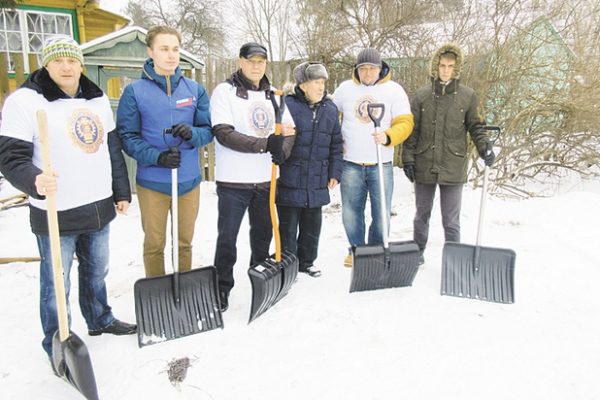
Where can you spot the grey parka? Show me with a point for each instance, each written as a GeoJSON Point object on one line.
{"type": "Point", "coordinates": [438, 145]}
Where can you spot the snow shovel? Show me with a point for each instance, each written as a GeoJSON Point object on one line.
{"type": "Point", "coordinates": [70, 357]}
{"type": "Point", "coordinates": [179, 304]}
{"type": "Point", "coordinates": [393, 264]}
{"type": "Point", "coordinates": [273, 278]}
{"type": "Point", "coordinates": [478, 272]}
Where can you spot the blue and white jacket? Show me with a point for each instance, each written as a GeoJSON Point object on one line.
{"type": "Point", "coordinates": [152, 104]}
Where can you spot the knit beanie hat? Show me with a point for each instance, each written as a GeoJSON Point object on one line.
{"type": "Point", "coordinates": [310, 71]}
{"type": "Point", "coordinates": [61, 46]}
{"type": "Point", "coordinates": [368, 56]}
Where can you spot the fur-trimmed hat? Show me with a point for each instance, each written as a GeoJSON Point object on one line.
{"type": "Point", "coordinates": [368, 56]}
{"type": "Point", "coordinates": [61, 46]}
{"type": "Point", "coordinates": [445, 49]}
{"type": "Point", "coordinates": [310, 71]}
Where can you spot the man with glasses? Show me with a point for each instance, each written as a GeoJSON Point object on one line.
{"type": "Point", "coordinates": [371, 83]}
{"type": "Point", "coordinates": [243, 122]}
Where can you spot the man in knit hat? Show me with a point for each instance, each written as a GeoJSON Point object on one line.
{"type": "Point", "coordinates": [89, 178]}
{"type": "Point", "coordinates": [436, 152]}
{"type": "Point", "coordinates": [371, 83]}
{"type": "Point", "coordinates": [313, 168]}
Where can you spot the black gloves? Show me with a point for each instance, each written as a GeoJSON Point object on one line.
{"type": "Point", "coordinates": [487, 154]}
{"type": "Point", "coordinates": [409, 171]}
{"type": "Point", "coordinates": [182, 130]}
{"type": "Point", "coordinates": [275, 147]}
{"type": "Point", "coordinates": [170, 158]}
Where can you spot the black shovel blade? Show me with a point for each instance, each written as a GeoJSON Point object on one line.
{"type": "Point", "coordinates": [71, 361]}
{"type": "Point", "coordinates": [271, 281]}
{"type": "Point", "coordinates": [160, 317]}
{"type": "Point", "coordinates": [289, 268]}
{"type": "Point", "coordinates": [373, 269]}
{"type": "Point", "coordinates": [493, 280]}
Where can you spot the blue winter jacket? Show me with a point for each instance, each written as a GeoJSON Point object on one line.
{"type": "Point", "coordinates": [152, 104]}
{"type": "Point", "coordinates": [316, 156]}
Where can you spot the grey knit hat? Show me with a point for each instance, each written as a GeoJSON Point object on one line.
{"type": "Point", "coordinates": [310, 71]}
{"type": "Point", "coordinates": [369, 56]}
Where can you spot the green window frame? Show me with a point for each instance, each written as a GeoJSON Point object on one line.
{"type": "Point", "coordinates": [24, 32]}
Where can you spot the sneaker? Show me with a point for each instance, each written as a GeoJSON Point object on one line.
{"type": "Point", "coordinates": [421, 258]}
{"type": "Point", "coordinates": [224, 300]}
{"type": "Point", "coordinates": [310, 271]}
{"type": "Point", "coordinates": [115, 328]}
{"type": "Point", "coordinates": [348, 261]}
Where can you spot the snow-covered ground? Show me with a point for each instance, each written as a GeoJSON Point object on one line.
{"type": "Point", "coordinates": [320, 342]}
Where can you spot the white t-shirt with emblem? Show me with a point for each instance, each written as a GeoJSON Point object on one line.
{"type": "Point", "coordinates": [254, 116]}
{"type": "Point", "coordinates": [357, 128]}
{"type": "Point", "coordinates": [77, 136]}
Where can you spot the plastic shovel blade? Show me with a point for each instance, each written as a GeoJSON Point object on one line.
{"type": "Point", "coordinates": [71, 361]}
{"type": "Point", "coordinates": [271, 281]}
{"type": "Point", "coordinates": [373, 269]}
{"type": "Point", "coordinates": [161, 317]}
{"type": "Point", "coordinates": [492, 280]}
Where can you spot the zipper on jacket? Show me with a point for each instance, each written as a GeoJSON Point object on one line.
{"type": "Point", "coordinates": [97, 215]}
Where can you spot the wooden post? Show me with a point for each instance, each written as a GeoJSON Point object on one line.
{"type": "Point", "coordinates": [19, 69]}
{"type": "Point", "coordinates": [33, 62]}
{"type": "Point", "coordinates": [3, 77]}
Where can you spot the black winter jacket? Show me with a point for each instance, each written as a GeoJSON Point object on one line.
{"type": "Point", "coordinates": [316, 156]}
{"type": "Point", "coordinates": [438, 146]}
{"type": "Point", "coordinates": [17, 167]}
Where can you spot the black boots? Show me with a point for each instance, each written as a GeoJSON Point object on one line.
{"type": "Point", "coordinates": [224, 300]}
{"type": "Point", "coordinates": [116, 328]}
{"type": "Point", "coordinates": [310, 271]}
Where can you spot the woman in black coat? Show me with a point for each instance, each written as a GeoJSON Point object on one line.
{"type": "Point", "coordinates": [313, 167]}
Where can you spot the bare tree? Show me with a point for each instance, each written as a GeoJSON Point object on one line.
{"type": "Point", "coordinates": [199, 21]}
{"type": "Point", "coordinates": [267, 21]}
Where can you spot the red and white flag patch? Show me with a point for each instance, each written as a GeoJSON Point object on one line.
{"type": "Point", "coordinates": [184, 102]}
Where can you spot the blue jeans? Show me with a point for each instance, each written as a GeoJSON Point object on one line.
{"type": "Point", "coordinates": [358, 182]}
{"type": "Point", "coordinates": [232, 206]}
{"type": "Point", "coordinates": [92, 253]}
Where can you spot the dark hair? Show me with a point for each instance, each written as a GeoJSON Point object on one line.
{"type": "Point", "coordinates": [158, 30]}
{"type": "Point", "coordinates": [449, 55]}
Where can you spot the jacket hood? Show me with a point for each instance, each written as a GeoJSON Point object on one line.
{"type": "Point", "coordinates": [435, 60]}
{"type": "Point", "coordinates": [384, 75]}
{"type": "Point", "coordinates": [161, 80]}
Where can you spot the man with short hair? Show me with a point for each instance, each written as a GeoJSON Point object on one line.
{"type": "Point", "coordinates": [163, 120]}
{"type": "Point", "coordinates": [89, 179]}
{"type": "Point", "coordinates": [436, 154]}
{"type": "Point", "coordinates": [371, 83]}
{"type": "Point", "coordinates": [243, 121]}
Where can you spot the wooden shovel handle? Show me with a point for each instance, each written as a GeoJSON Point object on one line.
{"type": "Point", "coordinates": [273, 188]}
{"type": "Point", "coordinates": [54, 233]}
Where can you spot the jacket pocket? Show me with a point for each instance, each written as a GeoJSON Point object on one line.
{"type": "Point", "coordinates": [290, 174]}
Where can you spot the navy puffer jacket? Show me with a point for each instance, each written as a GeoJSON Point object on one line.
{"type": "Point", "coordinates": [316, 156]}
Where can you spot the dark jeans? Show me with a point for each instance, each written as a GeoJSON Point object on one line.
{"type": "Point", "coordinates": [92, 254]}
{"type": "Point", "coordinates": [450, 203]}
{"type": "Point", "coordinates": [232, 206]}
{"type": "Point", "coordinates": [300, 229]}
